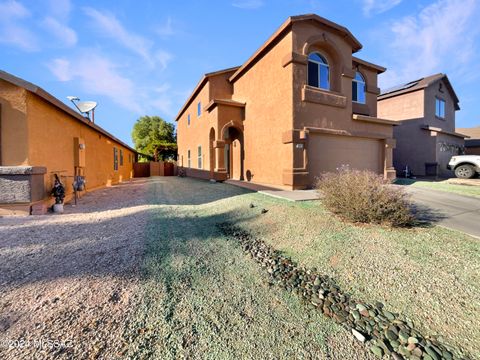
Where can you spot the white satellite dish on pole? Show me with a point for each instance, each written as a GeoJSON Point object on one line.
{"type": "Point", "coordinates": [85, 107]}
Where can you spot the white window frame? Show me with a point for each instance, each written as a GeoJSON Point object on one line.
{"type": "Point", "coordinates": [319, 64]}
{"type": "Point", "coordinates": [439, 112]}
{"type": "Point", "coordinates": [199, 157]}
{"type": "Point", "coordinates": [357, 82]}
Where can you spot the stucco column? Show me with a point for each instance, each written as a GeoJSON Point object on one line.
{"type": "Point", "coordinates": [389, 170]}
{"type": "Point", "coordinates": [219, 147]}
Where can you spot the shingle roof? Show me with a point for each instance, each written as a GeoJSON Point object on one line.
{"type": "Point", "coordinates": [473, 132]}
{"type": "Point", "coordinates": [200, 85]}
{"type": "Point", "coordinates": [419, 84]}
{"type": "Point", "coordinates": [12, 79]}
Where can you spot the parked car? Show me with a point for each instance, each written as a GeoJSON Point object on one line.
{"type": "Point", "coordinates": [465, 166]}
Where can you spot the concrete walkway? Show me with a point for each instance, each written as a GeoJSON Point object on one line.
{"type": "Point", "coordinates": [278, 192]}
{"type": "Point", "coordinates": [452, 210]}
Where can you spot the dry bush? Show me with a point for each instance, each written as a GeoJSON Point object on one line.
{"type": "Point", "coordinates": [363, 196]}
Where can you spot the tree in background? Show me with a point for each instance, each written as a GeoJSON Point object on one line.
{"type": "Point", "coordinates": [155, 137]}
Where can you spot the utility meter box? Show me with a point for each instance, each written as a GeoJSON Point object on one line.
{"type": "Point", "coordinates": [79, 151]}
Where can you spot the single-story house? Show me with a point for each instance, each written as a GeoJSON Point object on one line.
{"type": "Point", "coordinates": [472, 144]}
{"type": "Point", "coordinates": [40, 136]}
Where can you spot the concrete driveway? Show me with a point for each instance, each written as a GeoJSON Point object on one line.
{"type": "Point", "coordinates": [454, 211]}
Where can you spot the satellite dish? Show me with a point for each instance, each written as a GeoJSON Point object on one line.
{"type": "Point", "coordinates": [86, 106]}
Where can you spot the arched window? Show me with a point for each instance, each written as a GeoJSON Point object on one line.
{"type": "Point", "coordinates": [358, 88]}
{"type": "Point", "coordinates": [318, 71]}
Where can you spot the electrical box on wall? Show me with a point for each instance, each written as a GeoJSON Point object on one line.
{"type": "Point", "coordinates": [79, 152]}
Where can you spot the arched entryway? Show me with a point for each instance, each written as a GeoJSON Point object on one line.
{"type": "Point", "coordinates": [234, 152]}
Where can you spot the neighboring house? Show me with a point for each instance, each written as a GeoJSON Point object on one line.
{"type": "Point", "coordinates": [289, 113]}
{"type": "Point", "coordinates": [41, 136]}
{"type": "Point", "coordinates": [427, 139]}
{"type": "Point", "coordinates": [472, 145]}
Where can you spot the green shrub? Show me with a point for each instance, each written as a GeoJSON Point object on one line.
{"type": "Point", "coordinates": [363, 196]}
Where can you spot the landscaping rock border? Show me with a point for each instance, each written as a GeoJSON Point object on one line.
{"type": "Point", "coordinates": [384, 332]}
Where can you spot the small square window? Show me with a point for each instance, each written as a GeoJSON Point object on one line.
{"type": "Point", "coordinates": [199, 108]}
{"type": "Point", "coordinates": [440, 108]}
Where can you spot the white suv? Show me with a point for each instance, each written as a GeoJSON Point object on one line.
{"type": "Point", "coordinates": [465, 166]}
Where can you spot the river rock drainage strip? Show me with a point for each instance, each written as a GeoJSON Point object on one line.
{"type": "Point", "coordinates": [383, 332]}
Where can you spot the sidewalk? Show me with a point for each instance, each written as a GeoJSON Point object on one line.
{"type": "Point", "coordinates": [278, 192]}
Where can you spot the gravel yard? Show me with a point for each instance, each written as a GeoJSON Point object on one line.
{"type": "Point", "coordinates": [140, 270]}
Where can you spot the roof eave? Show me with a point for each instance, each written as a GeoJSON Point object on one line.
{"type": "Point", "coordinates": [284, 28]}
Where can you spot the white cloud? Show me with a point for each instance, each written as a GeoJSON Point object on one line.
{"type": "Point", "coordinates": [60, 8]}
{"type": "Point", "coordinates": [248, 4]}
{"type": "Point", "coordinates": [66, 35]}
{"type": "Point", "coordinates": [12, 8]}
{"type": "Point", "coordinates": [12, 31]}
{"type": "Point", "coordinates": [97, 75]}
{"type": "Point", "coordinates": [109, 26]}
{"type": "Point", "coordinates": [439, 39]}
{"type": "Point", "coordinates": [163, 58]}
{"type": "Point", "coordinates": [166, 30]}
{"type": "Point", "coordinates": [378, 6]}
{"type": "Point", "coordinates": [61, 69]}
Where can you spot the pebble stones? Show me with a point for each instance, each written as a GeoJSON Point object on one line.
{"type": "Point", "coordinates": [360, 337]}
{"type": "Point", "coordinates": [384, 332]}
{"type": "Point", "coordinates": [378, 351]}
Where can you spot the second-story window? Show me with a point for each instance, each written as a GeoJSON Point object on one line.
{"type": "Point", "coordinates": [199, 108]}
{"type": "Point", "coordinates": [188, 119]}
{"type": "Point", "coordinates": [440, 108]}
{"type": "Point", "coordinates": [318, 71]}
{"type": "Point", "coordinates": [189, 159]}
{"type": "Point", "coordinates": [358, 88]}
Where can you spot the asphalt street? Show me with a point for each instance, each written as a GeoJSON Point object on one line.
{"type": "Point", "coordinates": [451, 210]}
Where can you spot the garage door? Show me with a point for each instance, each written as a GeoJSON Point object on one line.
{"type": "Point", "coordinates": [328, 152]}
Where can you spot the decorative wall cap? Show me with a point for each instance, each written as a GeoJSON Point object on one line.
{"type": "Point", "coordinates": [22, 170]}
{"type": "Point", "coordinates": [375, 120]}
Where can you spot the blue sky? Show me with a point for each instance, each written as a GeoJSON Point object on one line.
{"type": "Point", "coordinates": [145, 57]}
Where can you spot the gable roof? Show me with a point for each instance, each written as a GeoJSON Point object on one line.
{"type": "Point", "coordinates": [419, 84]}
{"type": "Point", "coordinates": [200, 85]}
{"type": "Point", "coordinates": [379, 69]}
{"type": "Point", "coordinates": [473, 132]}
{"type": "Point", "coordinates": [58, 104]}
{"type": "Point", "coordinates": [284, 28]}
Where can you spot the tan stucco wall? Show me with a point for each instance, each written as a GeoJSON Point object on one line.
{"type": "Point", "coordinates": [415, 147]}
{"type": "Point", "coordinates": [335, 112]}
{"type": "Point", "coordinates": [278, 110]}
{"type": "Point", "coordinates": [197, 134]}
{"type": "Point", "coordinates": [51, 134]}
{"type": "Point", "coordinates": [405, 106]}
{"type": "Point", "coordinates": [266, 88]}
{"type": "Point", "coordinates": [14, 126]}
{"type": "Point", "coordinates": [431, 92]}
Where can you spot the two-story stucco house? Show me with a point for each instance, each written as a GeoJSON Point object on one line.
{"type": "Point", "coordinates": [301, 105]}
{"type": "Point", "coordinates": [427, 139]}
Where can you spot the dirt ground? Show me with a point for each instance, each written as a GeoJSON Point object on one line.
{"type": "Point", "coordinates": [69, 282]}
{"type": "Point", "coordinates": [140, 271]}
